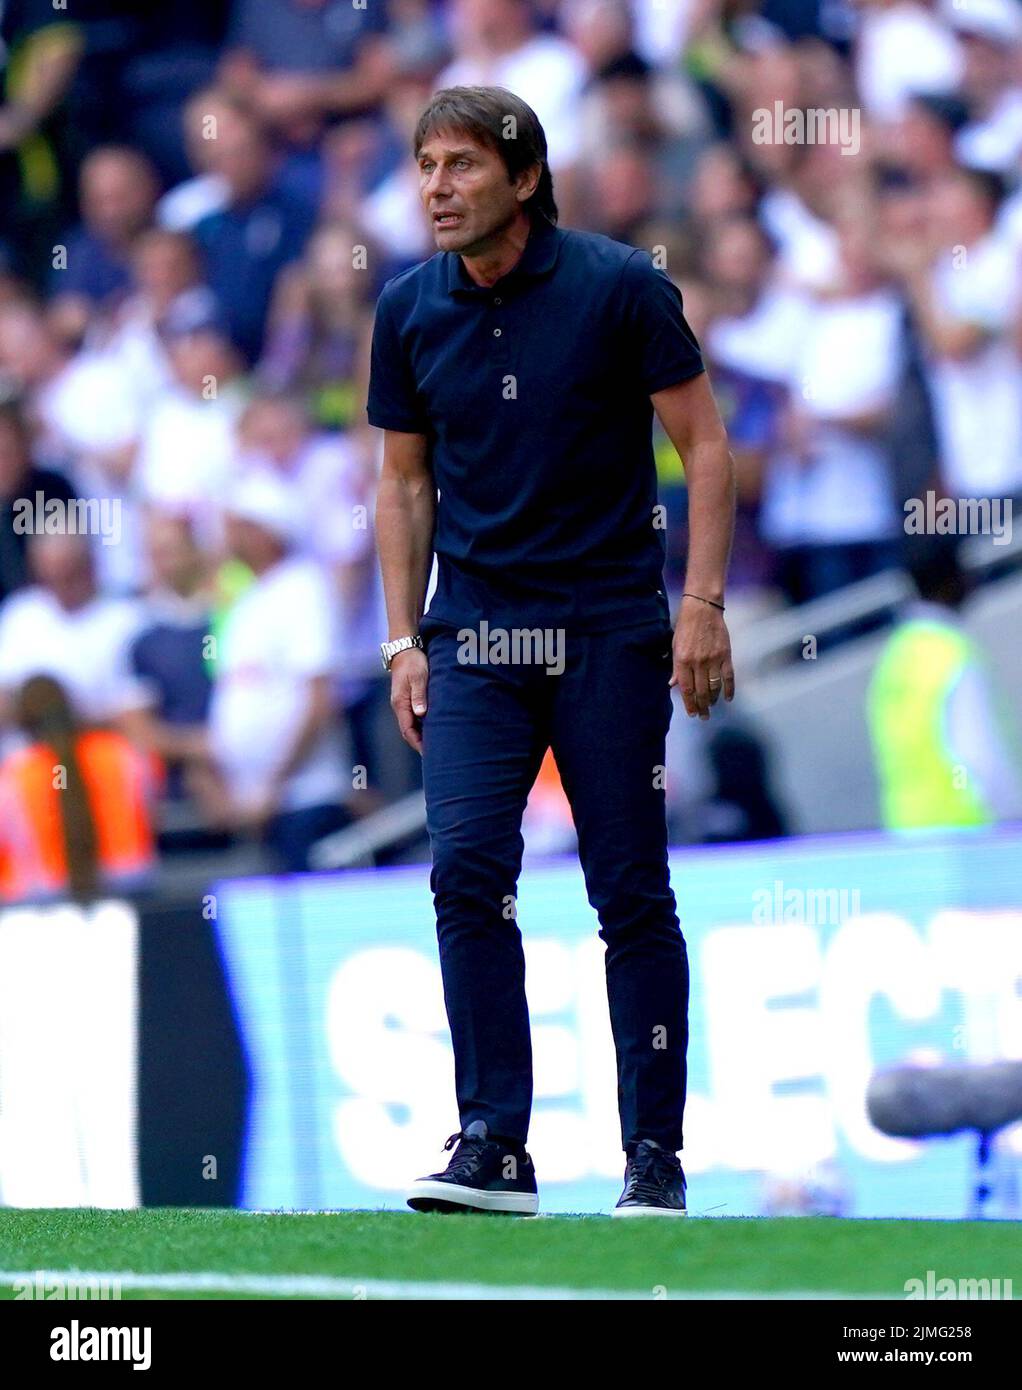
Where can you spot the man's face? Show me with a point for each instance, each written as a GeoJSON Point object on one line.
{"type": "Point", "coordinates": [173, 556]}
{"type": "Point", "coordinates": [466, 192]}
{"type": "Point", "coordinates": [117, 196]}
{"type": "Point", "coordinates": [62, 564]}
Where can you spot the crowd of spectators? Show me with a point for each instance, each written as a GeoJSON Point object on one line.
{"type": "Point", "coordinates": [199, 204]}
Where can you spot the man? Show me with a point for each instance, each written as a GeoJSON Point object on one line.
{"type": "Point", "coordinates": [117, 190]}
{"type": "Point", "coordinates": [262, 226]}
{"type": "Point", "coordinates": [168, 658]}
{"type": "Point", "coordinates": [63, 626]}
{"type": "Point", "coordinates": [964, 289]}
{"type": "Point", "coordinates": [514, 372]}
{"type": "Point", "coordinates": [272, 724]}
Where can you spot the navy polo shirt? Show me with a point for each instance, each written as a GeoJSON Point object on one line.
{"type": "Point", "coordinates": [534, 394]}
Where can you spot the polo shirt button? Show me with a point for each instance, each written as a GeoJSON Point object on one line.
{"type": "Point", "coordinates": [498, 301]}
{"type": "Point", "coordinates": [496, 332]}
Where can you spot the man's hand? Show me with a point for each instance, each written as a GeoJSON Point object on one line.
{"type": "Point", "coordinates": [702, 657]}
{"type": "Point", "coordinates": [409, 677]}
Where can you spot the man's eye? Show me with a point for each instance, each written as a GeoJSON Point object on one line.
{"type": "Point", "coordinates": [461, 164]}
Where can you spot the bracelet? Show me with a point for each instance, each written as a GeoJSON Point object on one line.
{"type": "Point", "coordinates": [704, 600]}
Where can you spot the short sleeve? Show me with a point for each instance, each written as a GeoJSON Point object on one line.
{"type": "Point", "coordinates": [393, 400]}
{"type": "Point", "coordinates": [657, 337]}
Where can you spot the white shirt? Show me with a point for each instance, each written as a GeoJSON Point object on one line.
{"type": "Point", "coordinates": [901, 51]}
{"type": "Point", "coordinates": [86, 649]}
{"type": "Point", "coordinates": [767, 341]}
{"type": "Point", "coordinates": [808, 253]}
{"type": "Point", "coordinates": [327, 479]}
{"type": "Point", "coordinates": [848, 365]}
{"type": "Point", "coordinates": [661, 30]}
{"type": "Point", "coordinates": [188, 203]}
{"type": "Point", "coordinates": [547, 73]}
{"type": "Point", "coordinates": [186, 457]}
{"type": "Point", "coordinates": [977, 400]}
{"type": "Point", "coordinates": [995, 141]}
{"type": "Point", "coordinates": [92, 407]}
{"type": "Point", "coordinates": [276, 638]}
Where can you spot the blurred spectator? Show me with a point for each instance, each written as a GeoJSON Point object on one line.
{"type": "Point", "coordinates": [20, 483]}
{"type": "Point", "coordinates": [722, 185]}
{"type": "Point", "coordinates": [117, 190]}
{"type": "Point", "coordinates": [40, 52]}
{"type": "Point", "coordinates": [166, 292]}
{"type": "Point", "coordinates": [260, 228]}
{"type": "Point", "coordinates": [626, 98]}
{"type": "Point", "coordinates": [297, 64]}
{"type": "Point", "coordinates": [320, 315]}
{"type": "Point", "coordinates": [75, 805]}
{"type": "Point", "coordinates": [924, 141]}
{"type": "Point", "coordinates": [759, 325]}
{"type": "Point", "coordinates": [828, 500]}
{"type": "Point", "coordinates": [622, 191]}
{"type": "Point", "coordinates": [497, 45]}
{"type": "Point", "coordinates": [903, 49]}
{"type": "Point", "coordinates": [205, 114]}
{"type": "Point", "coordinates": [64, 627]}
{"type": "Point", "coordinates": [326, 477]}
{"type": "Point", "coordinates": [75, 406]}
{"type": "Point", "coordinates": [331, 479]}
{"type": "Point", "coordinates": [273, 731]}
{"type": "Point", "coordinates": [942, 758]}
{"type": "Point", "coordinates": [963, 286]}
{"type": "Point", "coordinates": [170, 659]}
{"type": "Point", "coordinates": [186, 449]}
{"type": "Point", "coordinates": [990, 32]}
{"type": "Point", "coordinates": [390, 209]}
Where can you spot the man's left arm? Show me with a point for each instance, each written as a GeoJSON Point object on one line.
{"type": "Point", "coordinates": [702, 647]}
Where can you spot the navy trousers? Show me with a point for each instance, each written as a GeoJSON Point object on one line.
{"type": "Point", "coordinates": [485, 734]}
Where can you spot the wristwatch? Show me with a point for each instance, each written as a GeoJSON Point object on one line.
{"type": "Point", "coordinates": [389, 650]}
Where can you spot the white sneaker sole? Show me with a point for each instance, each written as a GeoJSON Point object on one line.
{"type": "Point", "coordinates": [473, 1198]}
{"type": "Point", "coordinates": [648, 1211]}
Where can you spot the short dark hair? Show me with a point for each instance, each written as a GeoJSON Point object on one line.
{"type": "Point", "coordinates": [483, 113]}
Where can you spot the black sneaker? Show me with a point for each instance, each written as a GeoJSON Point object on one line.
{"type": "Point", "coordinates": [654, 1183]}
{"type": "Point", "coordinates": [481, 1176]}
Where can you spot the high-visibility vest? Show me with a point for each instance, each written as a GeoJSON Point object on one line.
{"type": "Point", "coordinates": [907, 705]}
{"type": "Point", "coordinates": [118, 782]}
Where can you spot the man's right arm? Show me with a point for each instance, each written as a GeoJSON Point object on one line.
{"type": "Point", "coordinates": [405, 516]}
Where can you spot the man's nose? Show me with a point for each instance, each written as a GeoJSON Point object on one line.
{"type": "Point", "coordinates": [438, 182]}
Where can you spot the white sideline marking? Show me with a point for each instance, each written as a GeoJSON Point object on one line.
{"type": "Point", "coordinates": [327, 1286]}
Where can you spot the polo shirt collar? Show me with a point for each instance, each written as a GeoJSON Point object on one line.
{"type": "Point", "coordinates": [538, 258]}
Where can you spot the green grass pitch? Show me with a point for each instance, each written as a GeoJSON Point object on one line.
{"type": "Point", "coordinates": [232, 1254]}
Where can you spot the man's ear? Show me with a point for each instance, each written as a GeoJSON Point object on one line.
{"type": "Point", "coordinates": [528, 182]}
